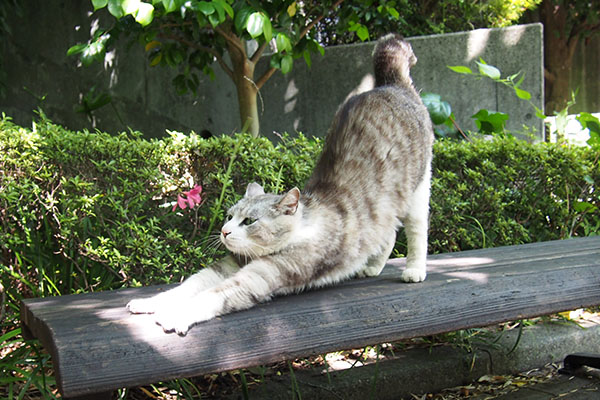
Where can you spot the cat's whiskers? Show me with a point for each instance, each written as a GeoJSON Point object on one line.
{"type": "Point", "coordinates": [211, 244]}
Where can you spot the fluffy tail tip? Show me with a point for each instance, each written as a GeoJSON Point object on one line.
{"type": "Point", "coordinates": [393, 57]}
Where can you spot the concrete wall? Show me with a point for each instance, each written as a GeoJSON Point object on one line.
{"type": "Point", "coordinates": [40, 75]}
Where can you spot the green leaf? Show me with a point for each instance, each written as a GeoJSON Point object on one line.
{"type": "Point", "coordinates": [488, 70]}
{"type": "Point", "coordinates": [307, 59]}
{"type": "Point", "coordinates": [267, 28]}
{"type": "Point", "coordinates": [155, 60]}
{"type": "Point", "coordinates": [255, 24]}
{"type": "Point", "coordinates": [204, 7]}
{"type": "Point", "coordinates": [283, 43]}
{"type": "Point", "coordinates": [98, 4]}
{"type": "Point", "coordinates": [214, 19]}
{"type": "Point", "coordinates": [584, 206]}
{"type": "Point", "coordinates": [169, 5]}
{"type": "Point", "coordinates": [490, 122]}
{"type": "Point", "coordinates": [241, 19]}
{"type": "Point", "coordinates": [130, 7]}
{"type": "Point", "coordinates": [439, 110]}
{"type": "Point", "coordinates": [522, 94]}
{"type": "Point", "coordinates": [78, 48]}
{"type": "Point", "coordinates": [393, 12]}
{"type": "Point", "coordinates": [145, 14]}
{"type": "Point", "coordinates": [539, 113]}
{"type": "Point", "coordinates": [115, 9]}
{"type": "Point", "coordinates": [588, 121]}
{"type": "Point", "coordinates": [220, 11]}
{"type": "Point", "coordinates": [461, 69]}
{"type": "Point", "coordinates": [287, 62]}
{"type": "Point", "coordinates": [275, 61]}
{"type": "Point", "coordinates": [362, 32]}
{"type": "Point", "coordinates": [226, 7]}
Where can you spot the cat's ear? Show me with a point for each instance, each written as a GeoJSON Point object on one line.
{"type": "Point", "coordinates": [289, 202]}
{"type": "Point", "coordinates": [254, 189]}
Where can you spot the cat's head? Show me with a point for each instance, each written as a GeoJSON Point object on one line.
{"type": "Point", "coordinates": [261, 223]}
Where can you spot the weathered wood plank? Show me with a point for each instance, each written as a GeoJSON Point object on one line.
{"type": "Point", "coordinates": [97, 345]}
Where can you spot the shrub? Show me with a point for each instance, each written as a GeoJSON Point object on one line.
{"type": "Point", "coordinates": [506, 191]}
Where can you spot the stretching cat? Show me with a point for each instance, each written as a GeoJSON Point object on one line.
{"type": "Point", "coordinates": [372, 177]}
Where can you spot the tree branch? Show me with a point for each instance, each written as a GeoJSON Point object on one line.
{"type": "Point", "coordinates": [265, 77]}
{"type": "Point", "coordinates": [318, 19]}
{"type": "Point", "coordinates": [259, 52]}
{"type": "Point", "coordinates": [231, 39]}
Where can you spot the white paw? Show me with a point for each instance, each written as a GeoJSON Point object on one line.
{"type": "Point", "coordinates": [369, 271]}
{"type": "Point", "coordinates": [174, 321]}
{"type": "Point", "coordinates": [180, 316]}
{"type": "Point", "coordinates": [413, 275]}
{"type": "Point", "coordinates": [141, 306]}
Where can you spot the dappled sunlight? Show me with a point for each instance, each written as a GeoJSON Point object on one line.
{"type": "Point", "coordinates": [459, 268]}
{"type": "Point", "coordinates": [460, 261]}
{"type": "Point", "coordinates": [472, 276]}
{"type": "Point", "coordinates": [366, 83]}
{"type": "Point", "coordinates": [451, 267]}
{"type": "Point", "coordinates": [512, 37]}
{"type": "Point", "coordinates": [476, 44]}
{"type": "Point", "coordinates": [290, 97]}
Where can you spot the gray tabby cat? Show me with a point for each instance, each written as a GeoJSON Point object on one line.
{"type": "Point", "coordinates": [373, 176]}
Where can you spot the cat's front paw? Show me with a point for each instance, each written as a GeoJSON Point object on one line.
{"type": "Point", "coordinates": [413, 275]}
{"type": "Point", "coordinates": [174, 321]}
{"type": "Point", "coordinates": [179, 317]}
{"type": "Point", "coordinates": [141, 306]}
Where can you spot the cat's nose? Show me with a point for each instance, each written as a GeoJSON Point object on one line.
{"type": "Point", "coordinates": [225, 232]}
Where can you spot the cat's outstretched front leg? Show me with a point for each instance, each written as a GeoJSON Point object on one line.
{"type": "Point", "coordinates": [195, 284]}
{"type": "Point", "coordinates": [253, 284]}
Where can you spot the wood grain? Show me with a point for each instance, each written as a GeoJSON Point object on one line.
{"type": "Point", "coordinates": [97, 346]}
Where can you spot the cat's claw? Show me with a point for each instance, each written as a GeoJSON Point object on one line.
{"type": "Point", "coordinates": [413, 275]}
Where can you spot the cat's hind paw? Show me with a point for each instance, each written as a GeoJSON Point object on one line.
{"type": "Point", "coordinates": [413, 275]}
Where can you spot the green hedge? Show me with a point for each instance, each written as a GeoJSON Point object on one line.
{"type": "Point", "coordinates": [82, 211]}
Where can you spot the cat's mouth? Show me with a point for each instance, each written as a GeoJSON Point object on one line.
{"type": "Point", "coordinates": [232, 244]}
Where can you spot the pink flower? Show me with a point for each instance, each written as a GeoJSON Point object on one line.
{"type": "Point", "coordinates": [191, 199]}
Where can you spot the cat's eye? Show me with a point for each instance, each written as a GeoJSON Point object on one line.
{"type": "Point", "coordinates": [248, 221]}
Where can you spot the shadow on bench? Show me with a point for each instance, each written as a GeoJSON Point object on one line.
{"type": "Point", "coordinates": [97, 346]}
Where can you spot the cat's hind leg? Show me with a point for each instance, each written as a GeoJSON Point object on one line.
{"type": "Point", "coordinates": [200, 281]}
{"type": "Point", "coordinates": [416, 225]}
{"type": "Point", "coordinates": [376, 262]}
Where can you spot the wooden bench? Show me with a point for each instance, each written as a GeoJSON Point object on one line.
{"type": "Point", "coordinates": [97, 346]}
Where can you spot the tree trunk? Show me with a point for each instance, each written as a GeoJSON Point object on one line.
{"type": "Point", "coordinates": [559, 50]}
{"type": "Point", "coordinates": [247, 91]}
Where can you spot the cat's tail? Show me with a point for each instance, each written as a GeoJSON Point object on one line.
{"type": "Point", "coordinates": [393, 57]}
